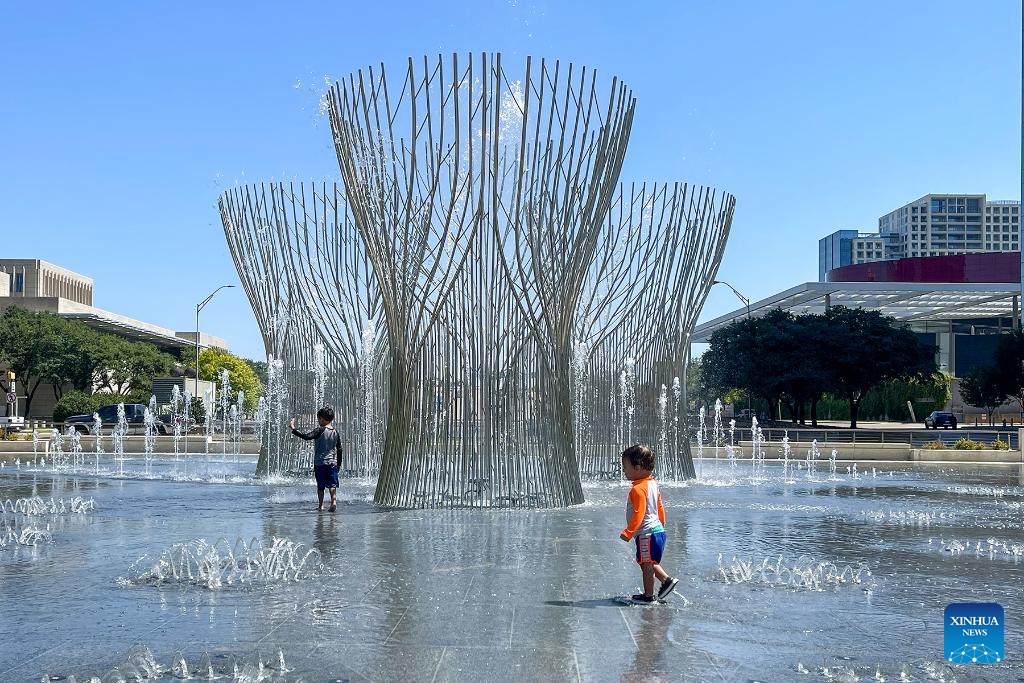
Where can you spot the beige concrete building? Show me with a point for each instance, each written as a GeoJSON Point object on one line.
{"type": "Point", "coordinates": [44, 287]}
{"type": "Point", "coordinates": [942, 224]}
{"type": "Point", "coordinates": [34, 279]}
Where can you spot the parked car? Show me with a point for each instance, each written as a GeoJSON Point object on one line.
{"type": "Point", "coordinates": [938, 418]}
{"type": "Point", "coordinates": [134, 413]}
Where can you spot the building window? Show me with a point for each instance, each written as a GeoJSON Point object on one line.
{"type": "Point", "coordinates": [19, 283]}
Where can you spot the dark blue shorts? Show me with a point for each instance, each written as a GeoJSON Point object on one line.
{"type": "Point", "coordinates": [649, 548]}
{"type": "Point", "coordinates": [326, 476]}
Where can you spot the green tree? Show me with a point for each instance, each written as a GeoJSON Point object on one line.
{"type": "Point", "coordinates": [774, 357]}
{"type": "Point", "coordinates": [888, 400]}
{"type": "Point", "coordinates": [80, 356]}
{"type": "Point", "coordinates": [240, 373]}
{"type": "Point", "coordinates": [74, 403]}
{"type": "Point", "coordinates": [984, 388]}
{"type": "Point", "coordinates": [728, 366]}
{"type": "Point", "coordinates": [804, 373]}
{"type": "Point", "coordinates": [125, 366]}
{"type": "Point", "coordinates": [866, 348]}
{"type": "Point", "coordinates": [31, 345]}
{"type": "Point", "coordinates": [796, 359]}
{"type": "Point", "coordinates": [260, 368]}
{"type": "Point", "coordinates": [1009, 359]}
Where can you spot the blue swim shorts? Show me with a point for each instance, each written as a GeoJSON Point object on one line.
{"type": "Point", "coordinates": [326, 476]}
{"type": "Point", "coordinates": [649, 548]}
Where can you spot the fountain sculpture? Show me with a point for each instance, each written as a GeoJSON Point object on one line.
{"type": "Point", "coordinates": [491, 313]}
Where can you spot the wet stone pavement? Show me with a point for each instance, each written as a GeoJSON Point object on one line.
{"type": "Point", "coordinates": [780, 580]}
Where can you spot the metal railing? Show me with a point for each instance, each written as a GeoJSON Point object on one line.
{"type": "Point", "coordinates": [915, 438]}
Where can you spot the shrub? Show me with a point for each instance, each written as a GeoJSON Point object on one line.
{"type": "Point", "coordinates": [134, 396]}
{"type": "Point", "coordinates": [934, 446]}
{"type": "Point", "coordinates": [75, 403]}
{"type": "Point", "coordinates": [965, 444]}
{"type": "Point", "coordinates": [81, 403]}
{"type": "Point", "coordinates": [1000, 445]}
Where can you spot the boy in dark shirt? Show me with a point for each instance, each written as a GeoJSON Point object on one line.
{"type": "Point", "coordinates": [325, 468]}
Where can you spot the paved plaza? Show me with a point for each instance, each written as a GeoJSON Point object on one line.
{"type": "Point", "coordinates": [809, 580]}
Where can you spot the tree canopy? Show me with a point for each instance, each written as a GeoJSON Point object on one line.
{"type": "Point", "coordinates": [797, 358]}
{"type": "Point", "coordinates": [984, 388]}
{"type": "Point", "coordinates": [43, 347]}
{"type": "Point", "coordinates": [241, 374]}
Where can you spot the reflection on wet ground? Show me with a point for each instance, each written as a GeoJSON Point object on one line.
{"type": "Point", "coordinates": [807, 579]}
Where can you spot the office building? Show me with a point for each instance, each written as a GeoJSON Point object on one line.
{"type": "Point", "coordinates": [933, 225]}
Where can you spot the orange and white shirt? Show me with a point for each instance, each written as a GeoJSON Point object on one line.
{"type": "Point", "coordinates": [645, 515]}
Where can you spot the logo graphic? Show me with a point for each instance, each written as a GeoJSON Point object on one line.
{"type": "Point", "coordinates": [974, 633]}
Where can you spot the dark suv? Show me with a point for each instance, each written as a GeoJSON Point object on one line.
{"type": "Point", "coordinates": [134, 414]}
{"type": "Point", "coordinates": [938, 419]}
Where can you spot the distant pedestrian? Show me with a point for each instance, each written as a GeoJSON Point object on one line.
{"type": "Point", "coordinates": [645, 520]}
{"type": "Point", "coordinates": [326, 454]}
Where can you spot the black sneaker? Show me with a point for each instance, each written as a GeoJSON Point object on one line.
{"type": "Point", "coordinates": [643, 599]}
{"type": "Point", "coordinates": [667, 586]}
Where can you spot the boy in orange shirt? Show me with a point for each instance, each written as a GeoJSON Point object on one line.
{"type": "Point", "coordinates": [645, 519]}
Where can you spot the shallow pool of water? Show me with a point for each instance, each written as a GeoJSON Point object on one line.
{"type": "Point", "coordinates": [781, 579]}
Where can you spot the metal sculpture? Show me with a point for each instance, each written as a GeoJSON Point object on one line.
{"type": "Point", "coordinates": [492, 315]}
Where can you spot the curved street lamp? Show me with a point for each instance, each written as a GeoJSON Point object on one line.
{"type": "Point", "coordinates": [199, 307]}
{"type": "Point", "coordinates": [746, 302]}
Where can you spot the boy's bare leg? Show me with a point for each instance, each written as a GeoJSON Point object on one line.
{"type": "Point", "coordinates": [334, 499]}
{"type": "Point", "coordinates": [660, 573]}
{"type": "Point", "coordinates": [648, 571]}
{"type": "Point", "coordinates": [320, 498]}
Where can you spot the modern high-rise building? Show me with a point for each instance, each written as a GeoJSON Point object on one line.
{"type": "Point", "coordinates": [934, 225]}
{"type": "Point", "coordinates": [846, 247]}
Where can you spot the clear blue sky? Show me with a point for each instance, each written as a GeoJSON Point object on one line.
{"type": "Point", "coordinates": [120, 123]}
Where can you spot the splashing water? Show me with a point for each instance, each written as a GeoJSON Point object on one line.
{"type": "Point", "coordinates": [212, 566]}
{"type": "Point", "coordinates": [627, 401]}
{"type": "Point", "coordinates": [319, 374]}
{"type": "Point", "coordinates": [580, 362]}
{"type": "Point", "coordinates": [187, 425]}
{"type": "Point", "coordinates": [663, 423]}
{"type": "Point", "coordinates": [730, 450]}
{"type": "Point", "coordinates": [787, 451]}
{"type": "Point", "coordinates": [176, 420]}
{"type": "Point", "coordinates": [149, 440]}
{"type": "Point", "coordinates": [97, 440]}
{"type": "Point", "coordinates": [812, 459]}
{"type": "Point", "coordinates": [225, 400]}
{"type": "Point", "coordinates": [677, 394]}
{"type": "Point", "coordinates": [805, 573]}
{"type": "Point", "coordinates": [120, 430]}
{"type": "Point", "coordinates": [57, 445]}
{"type": "Point", "coordinates": [716, 429]}
{"type": "Point", "coordinates": [75, 437]}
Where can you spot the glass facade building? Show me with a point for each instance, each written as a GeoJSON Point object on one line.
{"type": "Point", "coordinates": [933, 225]}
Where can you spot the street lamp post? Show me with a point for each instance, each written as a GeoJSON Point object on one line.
{"type": "Point", "coordinates": [199, 307]}
{"type": "Point", "coordinates": [746, 302]}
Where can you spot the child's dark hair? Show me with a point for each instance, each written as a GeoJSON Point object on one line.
{"type": "Point", "coordinates": [640, 456]}
{"type": "Point", "coordinates": [326, 414]}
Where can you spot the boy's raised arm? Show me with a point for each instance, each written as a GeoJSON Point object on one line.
{"type": "Point", "coordinates": [308, 436]}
